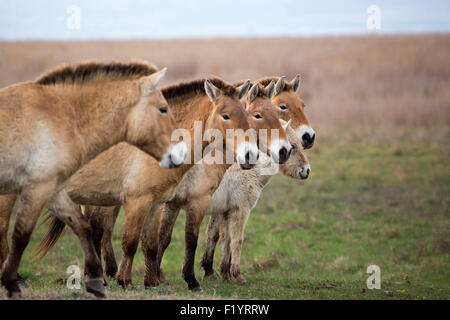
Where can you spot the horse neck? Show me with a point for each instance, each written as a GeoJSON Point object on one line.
{"type": "Point", "coordinates": [187, 110]}
{"type": "Point", "coordinates": [100, 112]}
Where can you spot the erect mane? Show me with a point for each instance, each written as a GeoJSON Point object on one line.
{"type": "Point", "coordinates": [265, 81]}
{"type": "Point", "coordinates": [193, 88]}
{"type": "Point", "coordinates": [262, 87]}
{"type": "Point", "coordinates": [89, 71]}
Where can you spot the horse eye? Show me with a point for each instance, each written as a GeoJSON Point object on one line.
{"type": "Point", "coordinates": [283, 107]}
{"type": "Point", "coordinates": [163, 110]}
{"type": "Point", "coordinates": [257, 116]}
{"type": "Point", "coordinates": [226, 117]}
{"type": "Point", "coordinates": [304, 106]}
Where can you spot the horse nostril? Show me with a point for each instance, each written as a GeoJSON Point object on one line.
{"type": "Point", "coordinates": [308, 171]}
{"type": "Point", "coordinates": [247, 157]}
{"type": "Point", "coordinates": [283, 154]}
{"type": "Point", "coordinates": [307, 138]}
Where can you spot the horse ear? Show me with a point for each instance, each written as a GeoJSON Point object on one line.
{"type": "Point", "coordinates": [295, 83]}
{"type": "Point", "coordinates": [286, 125]}
{"type": "Point", "coordinates": [253, 93]}
{"type": "Point", "coordinates": [211, 90]}
{"type": "Point", "coordinates": [152, 82]}
{"type": "Point", "coordinates": [243, 89]}
{"type": "Point", "coordinates": [270, 89]}
{"type": "Point", "coordinates": [279, 86]}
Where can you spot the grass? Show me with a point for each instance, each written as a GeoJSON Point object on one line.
{"type": "Point", "coordinates": [384, 203]}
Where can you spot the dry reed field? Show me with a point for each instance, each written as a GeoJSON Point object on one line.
{"type": "Point", "coordinates": [375, 80]}
{"type": "Point", "coordinates": [380, 183]}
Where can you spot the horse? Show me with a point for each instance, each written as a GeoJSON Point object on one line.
{"type": "Point", "coordinates": [52, 126]}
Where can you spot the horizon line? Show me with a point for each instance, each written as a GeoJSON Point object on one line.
{"type": "Point", "coordinates": [225, 37]}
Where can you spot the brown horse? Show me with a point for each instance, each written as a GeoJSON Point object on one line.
{"type": "Point", "coordinates": [56, 124]}
{"type": "Point", "coordinates": [291, 107]}
{"type": "Point", "coordinates": [194, 193]}
{"type": "Point", "coordinates": [123, 175]}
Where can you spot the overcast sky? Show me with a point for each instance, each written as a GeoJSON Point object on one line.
{"type": "Point", "coordinates": [168, 19]}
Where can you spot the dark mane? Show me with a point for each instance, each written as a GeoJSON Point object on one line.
{"type": "Point", "coordinates": [261, 91]}
{"type": "Point", "coordinates": [196, 87]}
{"type": "Point", "coordinates": [84, 72]}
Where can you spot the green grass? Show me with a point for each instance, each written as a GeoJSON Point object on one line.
{"type": "Point", "coordinates": [381, 202]}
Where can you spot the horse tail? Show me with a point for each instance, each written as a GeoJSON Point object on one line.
{"type": "Point", "coordinates": [54, 232]}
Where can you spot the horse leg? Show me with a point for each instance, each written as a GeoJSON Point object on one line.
{"type": "Point", "coordinates": [32, 201]}
{"type": "Point", "coordinates": [169, 216]}
{"type": "Point", "coordinates": [150, 244]}
{"type": "Point", "coordinates": [107, 246]}
{"type": "Point", "coordinates": [213, 235]}
{"type": "Point", "coordinates": [67, 211]}
{"type": "Point", "coordinates": [6, 207]}
{"type": "Point", "coordinates": [226, 249]}
{"type": "Point", "coordinates": [136, 210]}
{"type": "Point", "coordinates": [102, 220]}
{"type": "Point", "coordinates": [94, 216]}
{"type": "Point", "coordinates": [195, 213]}
{"type": "Point", "coordinates": [237, 221]}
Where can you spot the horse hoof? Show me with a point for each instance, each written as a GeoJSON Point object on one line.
{"type": "Point", "coordinates": [96, 287]}
{"type": "Point", "coordinates": [12, 289]}
{"type": "Point", "coordinates": [111, 272]}
{"type": "Point", "coordinates": [195, 288]}
{"type": "Point", "coordinates": [226, 277]}
{"type": "Point", "coordinates": [162, 279]}
{"type": "Point", "coordinates": [124, 284]}
{"type": "Point", "coordinates": [14, 295]}
{"type": "Point", "coordinates": [212, 276]}
{"type": "Point", "coordinates": [151, 287]}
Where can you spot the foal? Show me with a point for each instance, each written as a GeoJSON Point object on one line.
{"type": "Point", "coordinates": [56, 124]}
{"type": "Point", "coordinates": [123, 175]}
{"type": "Point", "coordinates": [233, 201]}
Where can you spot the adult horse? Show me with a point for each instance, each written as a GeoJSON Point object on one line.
{"type": "Point", "coordinates": [50, 127]}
